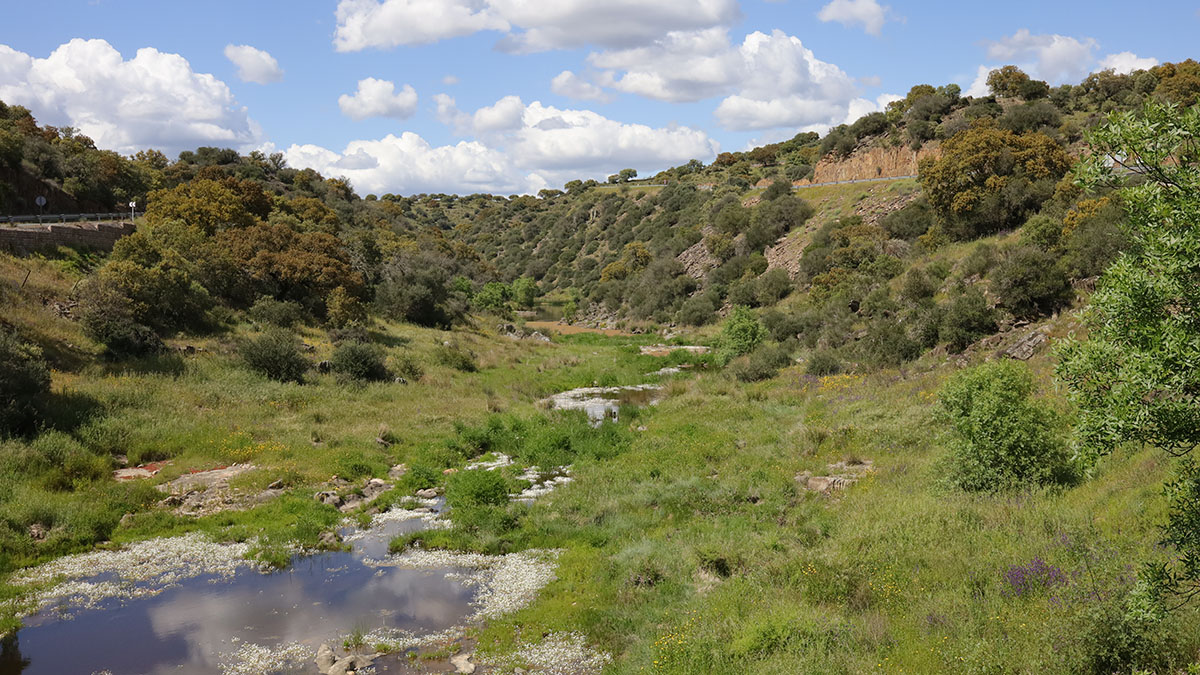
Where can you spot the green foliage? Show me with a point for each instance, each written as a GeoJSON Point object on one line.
{"type": "Point", "coordinates": [698, 310]}
{"type": "Point", "coordinates": [456, 356]}
{"type": "Point", "coordinates": [909, 222]}
{"type": "Point", "coordinates": [1030, 283]}
{"type": "Point", "coordinates": [989, 178]}
{"type": "Point", "coordinates": [24, 384]}
{"type": "Point", "coordinates": [477, 488]}
{"type": "Point", "coordinates": [418, 288]}
{"type": "Point", "coordinates": [1003, 437]}
{"type": "Point", "coordinates": [1134, 379]}
{"type": "Point", "coordinates": [525, 292]}
{"type": "Point", "coordinates": [276, 354]}
{"type": "Point", "coordinates": [108, 317]}
{"type": "Point", "coordinates": [741, 332]}
{"type": "Point", "coordinates": [493, 297]}
{"type": "Point", "coordinates": [359, 361]}
{"type": "Point", "coordinates": [1128, 633]}
{"type": "Point", "coordinates": [823, 362]}
{"type": "Point", "coordinates": [761, 364]}
{"type": "Point", "coordinates": [967, 318]}
{"type": "Point", "coordinates": [343, 309]}
{"type": "Point", "coordinates": [282, 313]}
{"type": "Point", "coordinates": [408, 367]}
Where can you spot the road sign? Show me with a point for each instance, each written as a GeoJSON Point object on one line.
{"type": "Point", "coordinates": [40, 201]}
{"type": "Point", "coordinates": [132, 205]}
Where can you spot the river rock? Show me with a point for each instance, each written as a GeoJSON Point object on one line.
{"type": "Point", "coordinates": [37, 532]}
{"type": "Point", "coordinates": [330, 539]}
{"type": "Point", "coordinates": [397, 471]}
{"type": "Point", "coordinates": [462, 663]}
{"type": "Point", "coordinates": [427, 493]}
{"type": "Point", "coordinates": [328, 497]}
{"type": "Point", "coordinates": [325, 658]}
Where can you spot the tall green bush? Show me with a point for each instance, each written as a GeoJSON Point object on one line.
{"type": "Point", "coordinates": [1003, 438]}
{"type": "Point", "coordinates": [24, 383]}
{"type": "Point", "coordinates": [276, 354]}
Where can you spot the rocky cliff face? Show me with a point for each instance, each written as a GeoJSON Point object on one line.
{"type": "Point", "coordinates": [873, 162]}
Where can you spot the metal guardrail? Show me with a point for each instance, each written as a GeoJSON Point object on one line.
{"type": "Point", "coordinates": [63, 218]}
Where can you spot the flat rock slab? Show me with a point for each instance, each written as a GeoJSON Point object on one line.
{"type": "Point", "coordinates": [665, 350]}
{"type": "Point", "coordinates": [139, 472]}
{"type": "Point", "coordinates": [204, 479]}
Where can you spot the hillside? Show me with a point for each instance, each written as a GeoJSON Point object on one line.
{"type": "Point", "coordinates": [833, 426]}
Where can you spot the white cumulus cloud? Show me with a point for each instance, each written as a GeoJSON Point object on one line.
{"type": "Point", "coordinates": [516, 147]}
{"type": "Point", "coordinates": [528, 25]}
{"type": "Point", "coordinates": [1127, 62]}
{"type": "Point", "coordinates": [254, 65]}
{"type": "Point", "coordinates": [408, 164]}
{"type": "Point", "coordinates": [378, 98]}
{"type": "Point", "coordinates": [866, 13]}
{"type": "Point", "coordinates": [1054, 58]}
{"type": "Point", "coordinates": [154, 100]}
{"type": "Point", "coordinates": [768, 80]}
{"type": "Point", "coordinates": [571, 85]}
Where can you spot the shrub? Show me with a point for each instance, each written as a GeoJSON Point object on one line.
{"type": "Point", "coordinates": [268, 310]}
{"type": "Point", "coordinates": [762, 363]}
{"type": "Point", "coordinates": [909, 222]}
{"type": "Point", "coordinates": [456, 356]}
{"type": "Point", "coordinates": [1002, 437]}
{"type": "Point", "coordinates": [343, 309]}
{"type": "Point", "coordinates": [476, 488]}
{"type": "Point", "coordinates": [275, 354]}
{"type": "Point", "coordinates": [773, 286]}
{"type": "Point", "coordinates": [1030, 283]}
{"type": "Point", "coordinates": [697, 310]}
{"type": "Point", "coordinates": [823, 362]}
{"type": "Point", "coordinates": [782, 326]}
{"type": "Point", "coordinates": [407, 367]}
{"type": "Point", "coordinates": [741, 333]}
{"type": "Point", "coordinates": [359, 361]}
{"type": "Point", "coordinates": [887, 344]}
{"type": "Point", "coordinates": [24, 382]}
{"type": "Point", "coordinates": [966, 318]}
{"type": "Point", "coordinates": [107, 317]}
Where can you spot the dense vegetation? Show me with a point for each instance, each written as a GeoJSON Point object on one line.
{"type": "Point", "coordinates": [270, 315]}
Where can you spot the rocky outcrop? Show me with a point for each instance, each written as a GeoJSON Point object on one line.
{"type": "Point", "coordinates": [697, 261]}
{"type": "Point", "coordinates": [841, 476]}
{"type": "Point", "coordinates": [872, 162]}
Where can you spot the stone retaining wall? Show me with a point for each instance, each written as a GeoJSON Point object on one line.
{"type": "Point", "coordinates": [28, 239]}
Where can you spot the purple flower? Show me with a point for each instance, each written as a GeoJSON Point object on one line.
{"type": "Point", "coordinates": [1037, 575]}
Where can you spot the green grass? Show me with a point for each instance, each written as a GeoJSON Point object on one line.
{"type": "Point", "coordinates": [688, 545]}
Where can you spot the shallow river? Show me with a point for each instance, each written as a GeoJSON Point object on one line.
{"type": "Point", "coordinates": [196, 625]}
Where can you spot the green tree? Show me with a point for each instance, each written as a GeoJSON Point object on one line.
{"type": "Point", "coordinates": [1135, 378]}
{"type": "Point", "coordinates": [990, 178]}
{"type": "Point", "coordinates": [525, 292]}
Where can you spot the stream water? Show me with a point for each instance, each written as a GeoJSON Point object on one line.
{"type": "Point", "coordinates": [197, 624]}
{"type": "Point", "coordinates": [604, 403]}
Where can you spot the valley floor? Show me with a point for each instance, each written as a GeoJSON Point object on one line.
{"type": "Point", "coordinates": [694, 538]}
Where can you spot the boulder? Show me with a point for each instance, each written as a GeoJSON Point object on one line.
{"type": "Point", "coordinates": [427, 493]}
{"type": "Point", "coordinates": [328, 497]}
{"type": "Point", "coordinates": [37, 531]}
{"type": "Point", "coordinates": [325, 658]}
{"type": "Point", "coordinates": [462, 663]}
{"type": "Point", "coordinates": [330, 539]}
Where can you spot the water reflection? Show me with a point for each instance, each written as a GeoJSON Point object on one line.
{"type": "Point", "coordinates": [192, 628]}
{"type": "Point", "coordinates": [604, 403]}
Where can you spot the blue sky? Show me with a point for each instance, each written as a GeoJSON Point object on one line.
{"type": "Point", "coordinates": [513, 95]}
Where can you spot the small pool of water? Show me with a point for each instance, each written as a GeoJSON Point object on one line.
{"type": "Point", "coordinates": [604, 403]}
{"type": "Point", "coordinates": [194, 626]}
